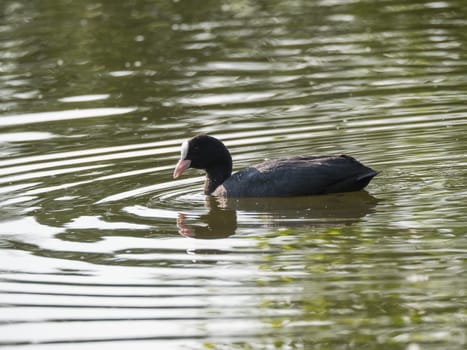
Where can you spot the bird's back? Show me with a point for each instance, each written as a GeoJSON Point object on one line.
{"type": "Point", "coordinates": [298, 176]}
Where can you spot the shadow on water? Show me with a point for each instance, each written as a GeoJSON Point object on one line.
{"type": "Point", "coordinates": [223, 214]}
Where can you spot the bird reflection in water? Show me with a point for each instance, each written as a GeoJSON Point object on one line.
{"type": "Point", "coordinates": [222, 217]}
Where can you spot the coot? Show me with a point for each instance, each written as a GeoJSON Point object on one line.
{"type": "Point", "coordinates": [286, 177]}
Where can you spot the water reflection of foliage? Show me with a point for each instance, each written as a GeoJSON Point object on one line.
{"type": "Point", "coordinates": [375, 288]}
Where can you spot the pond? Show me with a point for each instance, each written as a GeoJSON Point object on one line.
{"type": "Point", "coordinates": [101, 247]}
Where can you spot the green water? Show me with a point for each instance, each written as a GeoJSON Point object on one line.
{"type": "Point", "coordinates": [100, 247]}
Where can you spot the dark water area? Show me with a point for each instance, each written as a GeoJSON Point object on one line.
{"type": "Point", "coordinates": [100, 247]}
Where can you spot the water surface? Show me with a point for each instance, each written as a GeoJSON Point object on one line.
{"type": "Point", "coordinates": [99, 246]}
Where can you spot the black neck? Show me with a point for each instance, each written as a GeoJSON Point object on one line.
{"type": "Point", "coordinates": [216, 177]}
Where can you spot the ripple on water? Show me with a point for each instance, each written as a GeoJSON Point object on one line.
{"type": "Point", "coordinates": [33, 118]}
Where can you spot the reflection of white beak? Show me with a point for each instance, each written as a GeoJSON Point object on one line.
{"type": "Point", "coordinates": [183, 229]}
{"type": "Point", "coordinates": [182, 165]}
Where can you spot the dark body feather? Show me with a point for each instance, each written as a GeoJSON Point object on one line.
{"type": "Point", "coordinates": [298, 176]}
